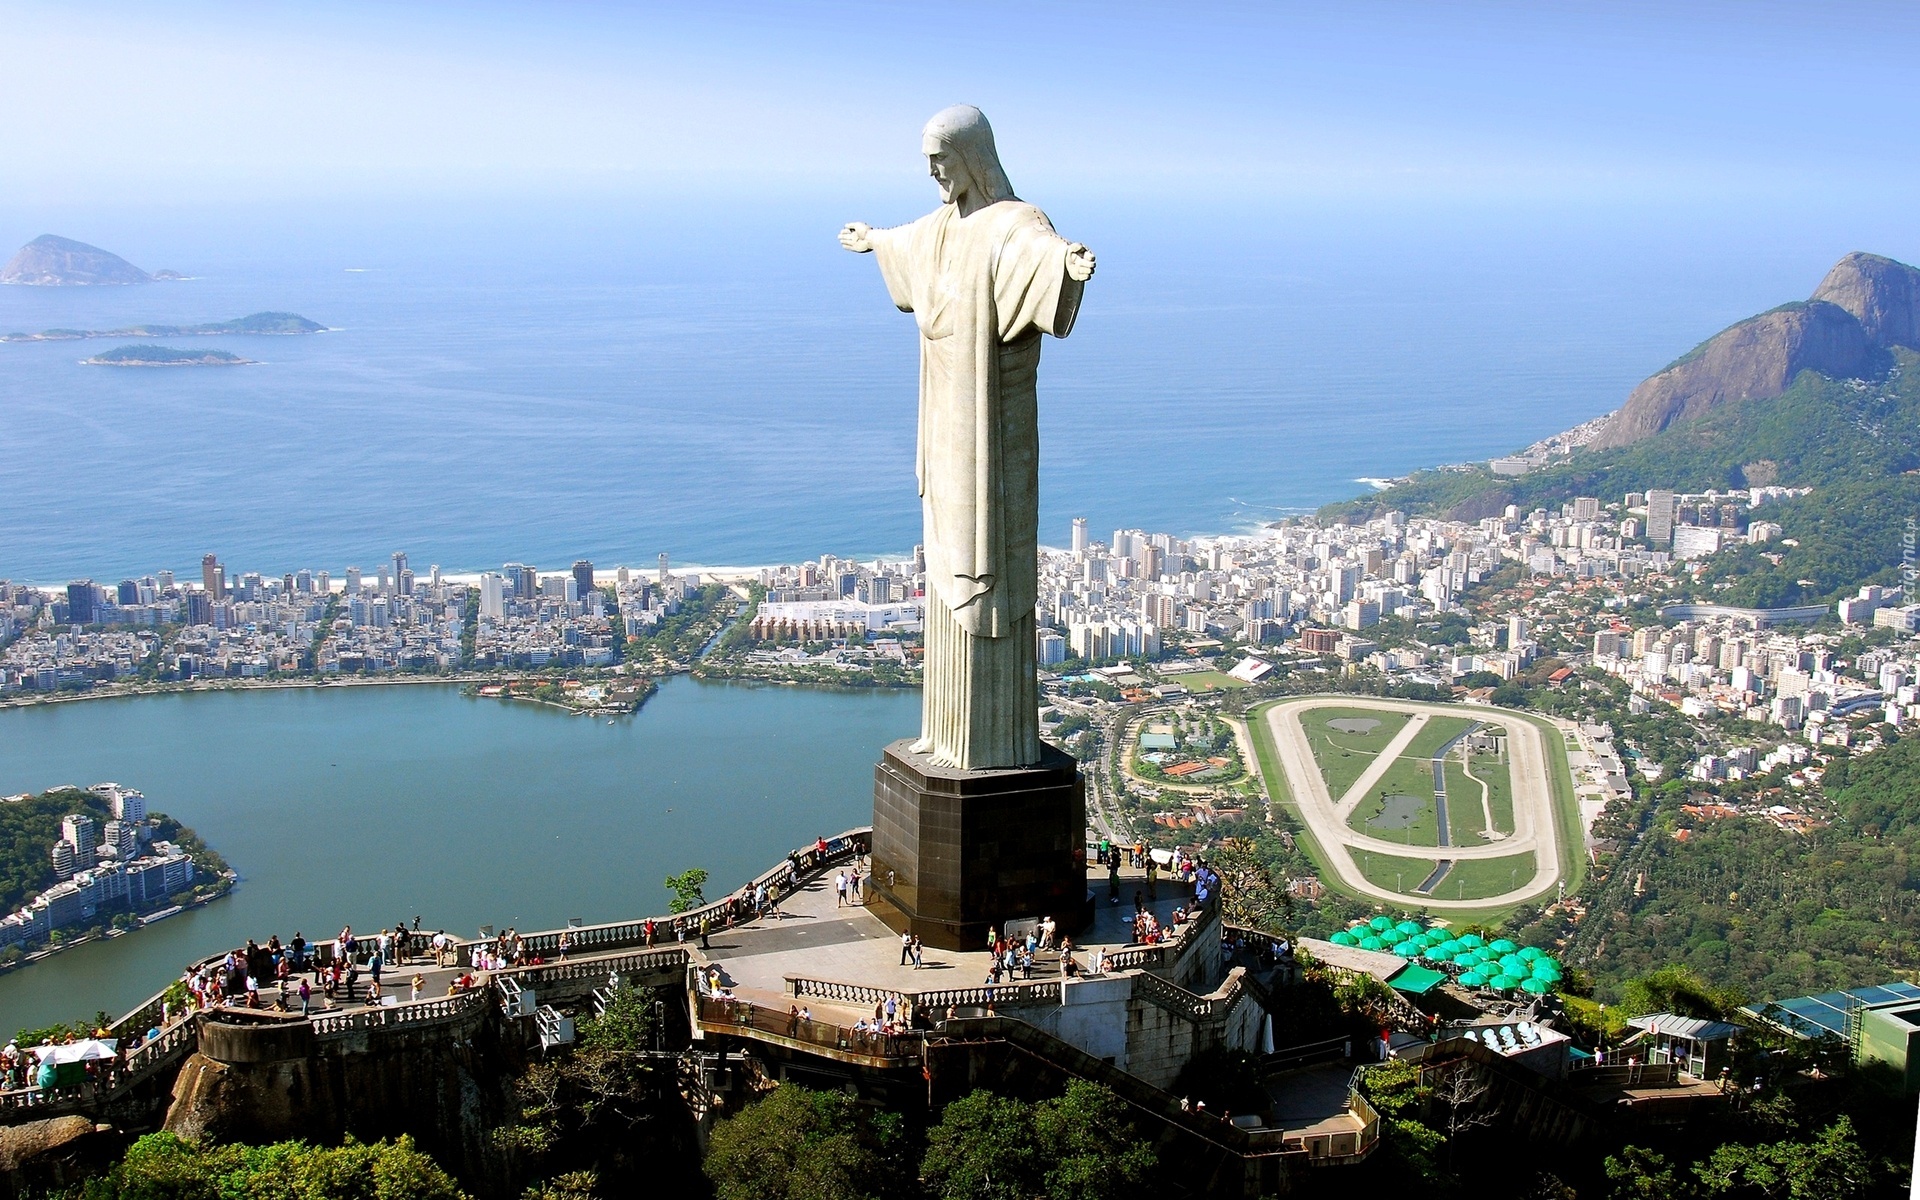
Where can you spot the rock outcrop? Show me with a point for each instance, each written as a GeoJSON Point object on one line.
{"type": "Point", "coordinates": [1865, 305]}
{"type": "Point", "coordinates": [39, 1158]}
{"type": "Point", "coordinates": [49, 261]}
{"type": "Point", "coordinates": [1883, 295]}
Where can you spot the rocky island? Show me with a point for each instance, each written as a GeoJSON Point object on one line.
{"type": "Point", "coordinates": [260, 323]}
{"type": "Point", "coordinates": [52, 261]}
{"type": "Point", "coordinates": [164, 356]}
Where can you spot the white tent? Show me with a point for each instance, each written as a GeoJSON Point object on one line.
{"type": "Point", "coordinates": [84, 1051]}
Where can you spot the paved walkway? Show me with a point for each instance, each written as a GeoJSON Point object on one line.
{"type": "Point", "coordinates": [815, 939]}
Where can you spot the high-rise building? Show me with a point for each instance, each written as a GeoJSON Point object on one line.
{"type": "Point", "coordinates": [63, 859]}
{"type": "Point", "coordinates": [130, 806]}
{"type": "Point", "coordinates": [663, 568]}
{"type": "Point", "coordinates": [1516, 632]}
{"type": "Point", "coordinates": [583, 576]}
{"type": "Point", "coordinates": [165, 580]}
{"type": "Point", "coordinates": [79, 829]}
{"type": "Point", "coordinates": [213, 577]}
{"type": "Point", "coordinates": [493, 596]}
{"type": "Point", "coordinates": [1586, 508]}
{"type": "Point", "coordinates": [80, 602]}
{"type": "Point", "coordinates": [1079, 535]}
{"type": "Point", "coordinates": [353, 581]}
{"type": "Point", "coordinates": [128, 593]}
{"type": "Point", "coordinates": [1157, 609]}
{"type": "Point", "coordinates": [399, 567]}
{"type": "Point", "coordinates": [1660, 517]}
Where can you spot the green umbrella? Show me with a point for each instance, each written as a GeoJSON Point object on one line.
{"type": "Point", "coordinates": [1503, 983]}
{"type": "Point", "coordinates": [1409, 928]}
{"type": "Point", "coordinates": [1536, 986]}
{"type": "Point", "coordinates": [1372, 943]}
{"type": "Point", "coordinates": [1434, 955]}
{"type": "Point", "coordinates": [1466, 959]}
{"type": "Point", "coordinates": [1343, 938]}
{"type": "Point", "coordinates": [1408, 949]}
{"type": "Point", "coordinates": [1549, 960]}
{"type": "Point", "coordinates": [1503, 946]}
{"type": "Point", "coordinates": [1359, 929]}
{"type": "Point", "coordinates": [1472, 941]}
{"type": "Point", "coordinates": [1473, 979]}
{"type": "Point", "coordinates": [1550, 974]}
{"type": "Point", "coordinates": [1514, 965]}
{"type": "Point", "coordinates": [1382, 923]}
{"type": "Point", "coordinates": [1485, 955]}
{"type": "Point", "coordinates": [1450, 948]}
{"type": "Point", "coordinates": [1529, 952]}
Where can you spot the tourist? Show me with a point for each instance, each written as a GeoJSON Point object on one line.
{"type": "Point", "coordinates": [917, 949]}
{"type": "Point", "coordinates": [853, 887]}
{"type": "Point", "coordinates": [648, 930]}
{"type": "Point", "coordinates": [376, 964]}
{"type": "Point", "coordinates": [565, 944]}
{"type": "Point", "coordinates": [703, 931]}
{"type": "Point", "coordinates": [306, 998]}
{"type": "Point", "coordinates": [419, 982]}
{"type": "Point", "coordinates": [839, 889]}
{"type": "Point", "coordinates": [793, 1021]}
{"type": "Point", "coordinates": [906, 948]}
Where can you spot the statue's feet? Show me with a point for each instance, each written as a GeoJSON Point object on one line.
{"type": "Point", "coordinates": [923, 746]}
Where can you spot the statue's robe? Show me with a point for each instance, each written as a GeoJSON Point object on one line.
{"type": "Point", "coordinates": [983, 288]}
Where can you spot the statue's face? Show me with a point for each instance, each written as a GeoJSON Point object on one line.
{"type": "Point", "coordinates": [948, 169]}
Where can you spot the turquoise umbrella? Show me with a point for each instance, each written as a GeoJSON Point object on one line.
{"type": "Point", "coordinates": [1434, 955]}
{"type": "Point", "coordinates": [1450, 948]}
{"type": "Point", "coordinates": [1343, 938]}
{"type": "Point", "coordinates": [1409, 928]}
{"type": "Point", "coordinates": [1530, 952]}
{"type": "Point", "coordinates": [1473, 979]}
{"type": "Point", "coordinates": [1408, 949]}
{"type": "Point", "coordinates": [1503, 946]}
{"type": "Point", "coordinates": [1503, 983]}
{"type": "Point", "coordinates": [1359, 929]}
{"type": "Point", "coordinates": [1514, 965]}
{"type": "Point", "coordinates": [1550, 974]}
{"type": "Point", "coordinates": [1485, 955]}
{"type": "Point", "coordinates": [1549, 960]}
{"type": "Point", "coordinates": [1537, 986]}
{"type": "Point", "coordinates": [1372, 943]}
{"type": "Point", "coordinates": [1466, 959]}
{"type": "Point", "coordinates": [1472, 941]}
{"type": "Point", "coordinates": [1382, 924]}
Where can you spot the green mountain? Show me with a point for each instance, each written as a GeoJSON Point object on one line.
{"type": "Point", "coordinates": [53, 261]}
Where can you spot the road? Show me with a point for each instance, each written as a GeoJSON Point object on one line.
{"type": "Point", "coordinates": [1533, 817]}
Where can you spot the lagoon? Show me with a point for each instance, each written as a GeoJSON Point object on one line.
{"type": "Point", "coordinates": [369, 805]}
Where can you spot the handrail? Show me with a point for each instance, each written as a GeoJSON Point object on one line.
{"type": "Point", "coordinates": [444, 1010]}
{"type": "Point", "coordinates": [930, 1002]}
{"type": "Point", "coordinates": [719, 913]}
{"type": "Point", "coordinates": [720, 1014]}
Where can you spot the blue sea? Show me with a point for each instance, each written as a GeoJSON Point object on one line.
{"type": "Point", "coordinates": [712, 377]}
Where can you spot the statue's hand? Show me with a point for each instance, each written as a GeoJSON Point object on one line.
{"type": "Point", "coordinates": [854, 237]}
{"type": "Point", "coordinates": [1079, 262]}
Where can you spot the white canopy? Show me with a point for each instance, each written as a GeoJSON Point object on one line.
{"type": "Point", "coordinates": [92, 1048]}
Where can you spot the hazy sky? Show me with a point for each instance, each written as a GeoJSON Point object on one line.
{"type": "Point", "coordinates": [1745, 102]}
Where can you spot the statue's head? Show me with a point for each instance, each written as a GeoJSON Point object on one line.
{"type": "Point", "coordinates": [958, 144]}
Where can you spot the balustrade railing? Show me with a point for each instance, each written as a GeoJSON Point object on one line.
{"type": "Point", "coordinates": [391, 1016]}
{"type": "Point", "coordinates": [719, 1014]}
{"type": "Point", "coordinates": [931, 1003]}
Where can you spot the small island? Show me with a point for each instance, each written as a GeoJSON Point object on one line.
{"type": "Point", "coordinates": [76, 865]}
{"type": "Point", "coordinates": [53, 261]}
{"type": "Point", "coordinates": [164, 356]}
{"type": "Point", "coordinates": [260, 323]}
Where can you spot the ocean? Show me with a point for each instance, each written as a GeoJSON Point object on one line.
{"type": "Point", "coordinates": [540, 381]}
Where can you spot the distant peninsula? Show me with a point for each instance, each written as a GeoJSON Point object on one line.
{"type": "Point", "coordinates": [266, 323]}
{"type": "Point", "coordinates": [51, 261]}
{"type": "Point", "coordinates": [164, 356]}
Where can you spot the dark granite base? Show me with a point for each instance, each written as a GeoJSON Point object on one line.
{"type": "Point", "coordinates": [958, 852]}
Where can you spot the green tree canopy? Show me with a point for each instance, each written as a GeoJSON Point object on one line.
{"type": "Point", "coordinates": [799, 1144]}
{"type": "Point", "coordinates": [1080, 1146]}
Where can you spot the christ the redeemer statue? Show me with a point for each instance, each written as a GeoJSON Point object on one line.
{"type": "Point", "coordinates": [984, 275]}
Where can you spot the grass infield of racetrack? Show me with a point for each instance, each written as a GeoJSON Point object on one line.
{"type": "Point", "coordinates": [1573, 863]}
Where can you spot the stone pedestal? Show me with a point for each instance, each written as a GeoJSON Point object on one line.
{"type": "Point", "coordinates": [957, 852]}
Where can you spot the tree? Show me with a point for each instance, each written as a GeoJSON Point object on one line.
{"type": "Point", "coordinates": [1679, 991]}
{"type": "Point", "coordinates": [1248, 895]}
{"type": "Point", "coordinates": [799, 1144]}
{"type": "Point", "coordinates": [162, 1166]}
{"type": "Point", "coordinates": [688, 889]}
{"type": "Point", "coordinates": [1080, 1146]}
{"type": "Point", "coordinates": [1831, 1166]}
{"type": "Point", "coordinates": [1638, 1174]}
{"type": "Point", "coordinates": [1461, 1095]}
